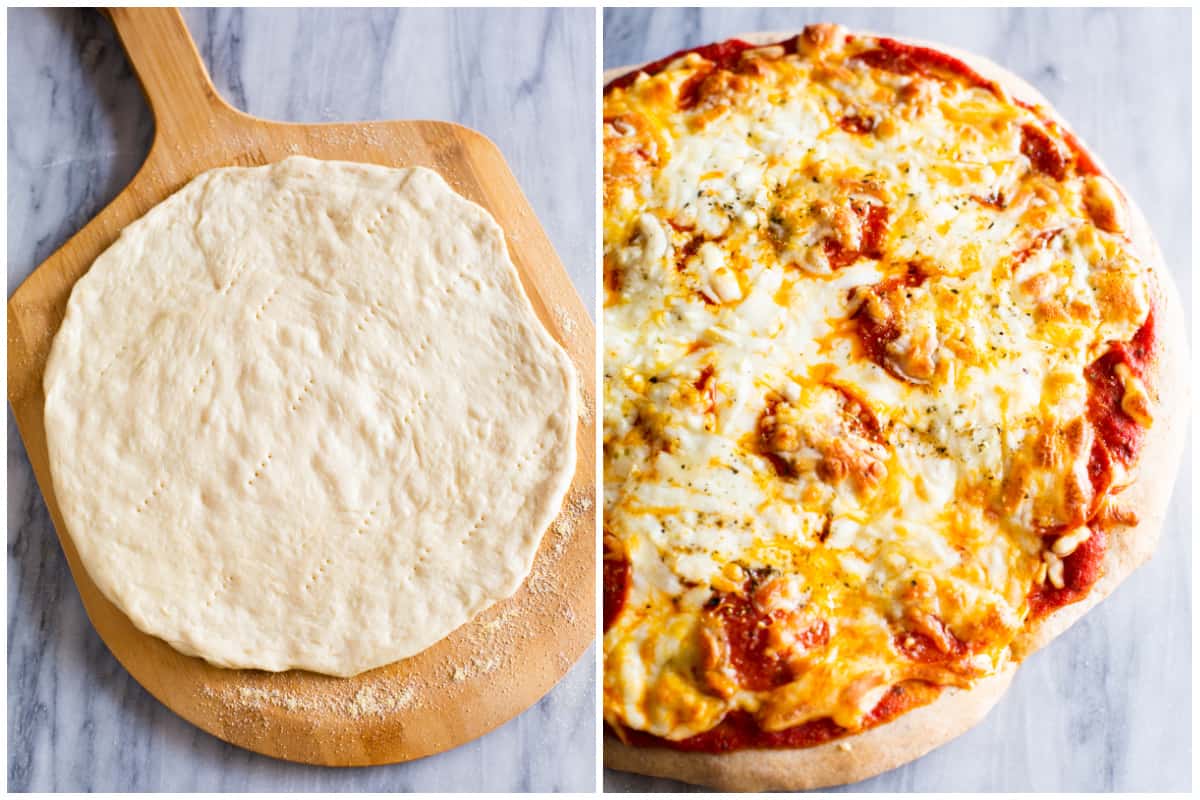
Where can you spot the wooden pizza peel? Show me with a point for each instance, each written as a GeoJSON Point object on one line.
{"type": "Point", "coordinates": [484, 673]}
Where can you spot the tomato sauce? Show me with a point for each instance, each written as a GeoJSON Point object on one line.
{"type": "Point", "coordinates": [724, 55]}
{"type": "Point", "coordinates": [857, 123]}
{"type": "Point", "coordinates": [1084, 164]}
{"type": "Point", "coordinates": [688, 250]}
{"type": "Point", "coordinates": [616, 585]}
{"type": "Point", "coordinates": [746, 628]}
{"type": "Point", "coordinates": [1119, 433]}
{"type": "Point", "coordinates": [909, 59]}
{"type": "Point", "coordinates": [889, 55]}
{"type": "Point", "coordinates": [707, 387]}
{"type": "Point", "coordinates": [920, 647]}
{"type": "Point", "coordinates": [1118, 441]}
{"type": "Point", "coordinates": [1081, 570]}
{"type": "Point", "coordinates": [874, 334]}
{"type": "Point", "coordinates": [1043, 152]}
{"type": "Point", "coordinates": [739, 730]}
{"type": "Point", "coordinates": [874, 228]}
{"type": "Point", "coordinates": [690, 89]}
{"type": "Point", "coordinates": [1039, 242]}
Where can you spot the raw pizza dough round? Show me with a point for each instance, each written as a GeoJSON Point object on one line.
{"type": "Point", "coordinates": [303, 416]}
{"type": "Point", "coordinates": [868, 753]}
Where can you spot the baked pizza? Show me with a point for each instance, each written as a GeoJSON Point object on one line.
{"type": "Point", "coordinates": [889, 401]}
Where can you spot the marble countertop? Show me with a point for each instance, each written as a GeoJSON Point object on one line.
{"type": "Point", "coordinates": [1104, 708]}
{"type": "Point", "coordinates": [78, 129]}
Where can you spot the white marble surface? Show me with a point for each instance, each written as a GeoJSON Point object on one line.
{"type": "Point", "coordinates": [77, 131]}
{"type": "Point", "coordinates": [1106, 706]}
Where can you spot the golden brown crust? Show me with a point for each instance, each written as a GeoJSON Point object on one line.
{"type": "Point", "coordinates": [913, 734]}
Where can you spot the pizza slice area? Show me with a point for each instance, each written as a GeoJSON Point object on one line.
{"type": "Point", "coordinates": [878, 359]}
{"type": "Point", "coordinates": [785, 649]}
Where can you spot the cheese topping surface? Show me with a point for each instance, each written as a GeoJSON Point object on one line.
{"type": "Point", "coordinates": [850, 303]}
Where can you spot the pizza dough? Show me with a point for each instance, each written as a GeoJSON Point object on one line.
{"type": "Point", "coordinates": [303, 416]}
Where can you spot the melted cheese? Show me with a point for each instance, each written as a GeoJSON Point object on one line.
{"type": "Point", "coordinates": [727, 303]}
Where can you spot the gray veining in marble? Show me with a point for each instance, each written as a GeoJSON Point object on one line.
{"type": "Point", "coordinates": [78, 129]}
{"type": "Point", "coordinates": [1106, 707]}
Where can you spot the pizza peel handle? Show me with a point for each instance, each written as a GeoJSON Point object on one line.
{"type": "Point", "coordinates": [194, 128]}
{"type": "Point", "coordinates": [170, 70]}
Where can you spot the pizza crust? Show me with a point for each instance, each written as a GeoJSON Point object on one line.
{"type": "Point", "coordinates": [916, 733]}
